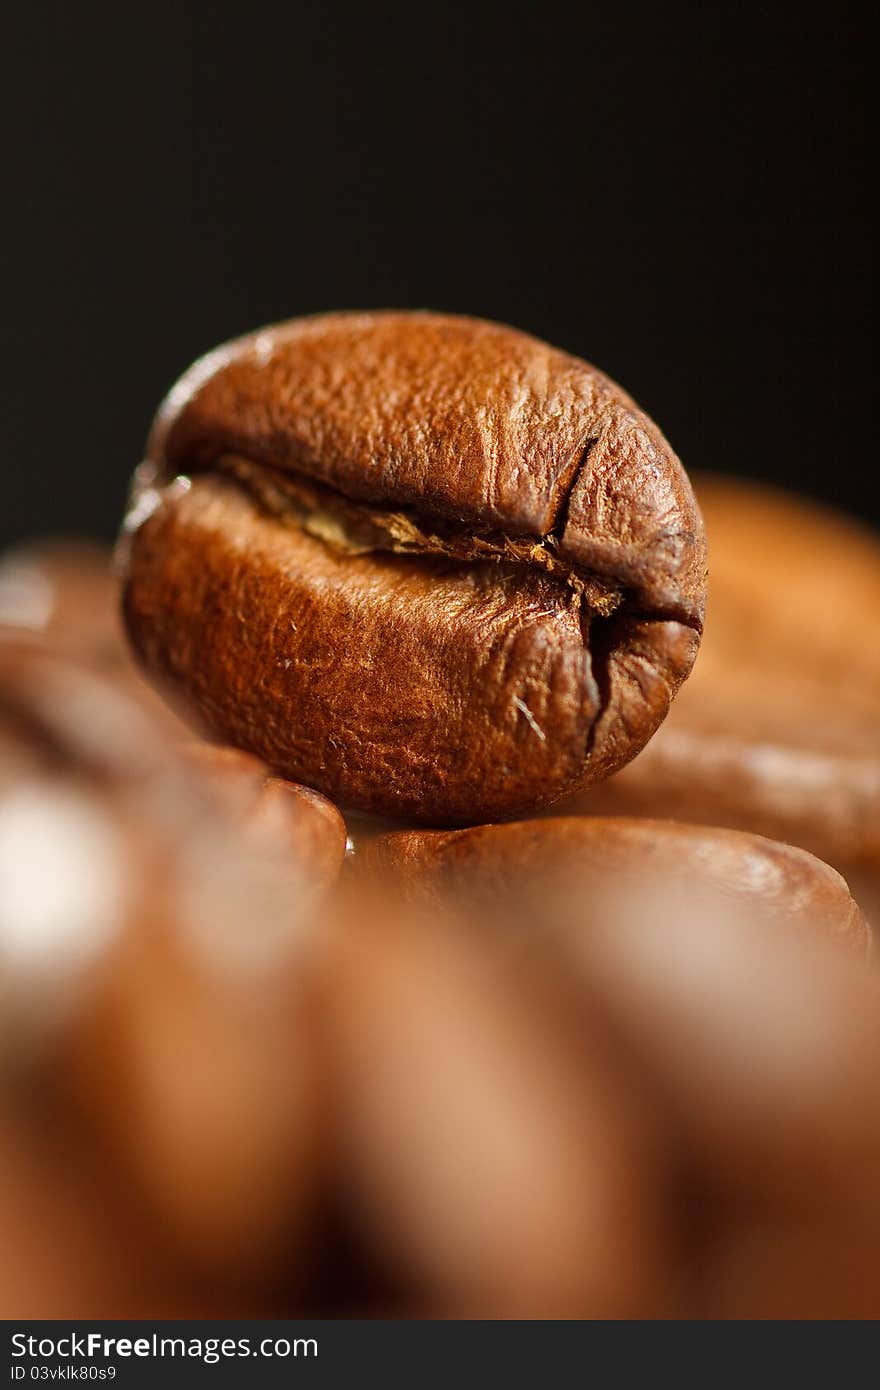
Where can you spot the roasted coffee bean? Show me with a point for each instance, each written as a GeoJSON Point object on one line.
{"type": "Point", "coordinates": [427, 565]}
{"type": "Point", "coordinates": [67, 1253]}
{"type": "Point", "coordinates": [584, 865]}
{"type": "Point", "coordinates": [293, 821]}
{"type": "Point", "coordinates": [490, 1151]}
{"type": "Point", "coordinates": [77, 1240]}
{"type": "Point", "coordinates": [66, 592]}
{"type": "Point", "coordinates": [534, 1119]}
{"type": "Point", "coordinates": [65, 589]}
{"type": "Point", "coordinates": [764, 1050]}
{"type": "Point", "coordinates": [151, 941]}
{"type": "Point", "coordinates": [779, 730]}
{"type": "Point", "coordinates": [765, 1046]}
{"type": "Point", "coordinates": [795, 585]}
{"type": "Point", "coordinates": [819, 1269]}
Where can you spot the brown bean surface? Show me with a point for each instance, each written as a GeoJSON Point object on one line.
{"type": "Point", "coordinates": [66, 590]}
{"type": "Point", "coordinates": [151, 930]}
{"type": "Point", "coordinates": [534, 1118]}
{"type": "Point", "coordinates": [488, 1147]}
{"type": "Point", "coordinates": [583, 863]}
{"type": "Point", "coordinates": [778, 731]}
{"type": "Point", "coordinates": [426, 564]}
{"type": "Point", "coordinates": [294, 822]}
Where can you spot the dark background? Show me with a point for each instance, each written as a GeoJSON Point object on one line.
{"type": "Point", "coordinates": [676, 193]}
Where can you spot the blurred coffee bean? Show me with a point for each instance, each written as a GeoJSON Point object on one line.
{"type": "Point", "coordinates": [765, 1054]}
{"type": "Point", "coordinates": [65, 1252]}
{"type": "Point", "coordinates": [488, 1146]}
{"type": "Point", "coordinates": [796, 1270]}
{"type": "Point", "coordinates": [66, 591]}
{"type": "Point", "coordinates": [588, 864]}
{"type": "Point", "coordinates": [795, 585]}
{"type": "Point", "coordinates": [75, 1239]}
{"type": "Point", "coordinates": [197, 1061]}
{"type": "Point", "coordinates": [759, 1048]}
{"type": "Point", "coordinates": [778, 728]}
{"type": "Point", "coordinates": [745, 1065]}
{"type": "Point", "coordinates": [150, 961]}
{"type": "Point", "coordinates": [764, 1047]}
{"type": "Point", "coordinates": [294, 820]}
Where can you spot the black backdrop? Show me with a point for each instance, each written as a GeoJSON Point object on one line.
{"type": "Point", "coordinates": [676, 192]}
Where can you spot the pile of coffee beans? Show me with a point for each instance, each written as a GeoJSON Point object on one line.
{"type": "Point", "coordinates": [371, 941]}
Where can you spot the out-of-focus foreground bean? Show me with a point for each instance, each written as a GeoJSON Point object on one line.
{"type": "Point", "coordinates": [735, 1016]}
{"type": "Point", "coordinates": [150, 943]}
